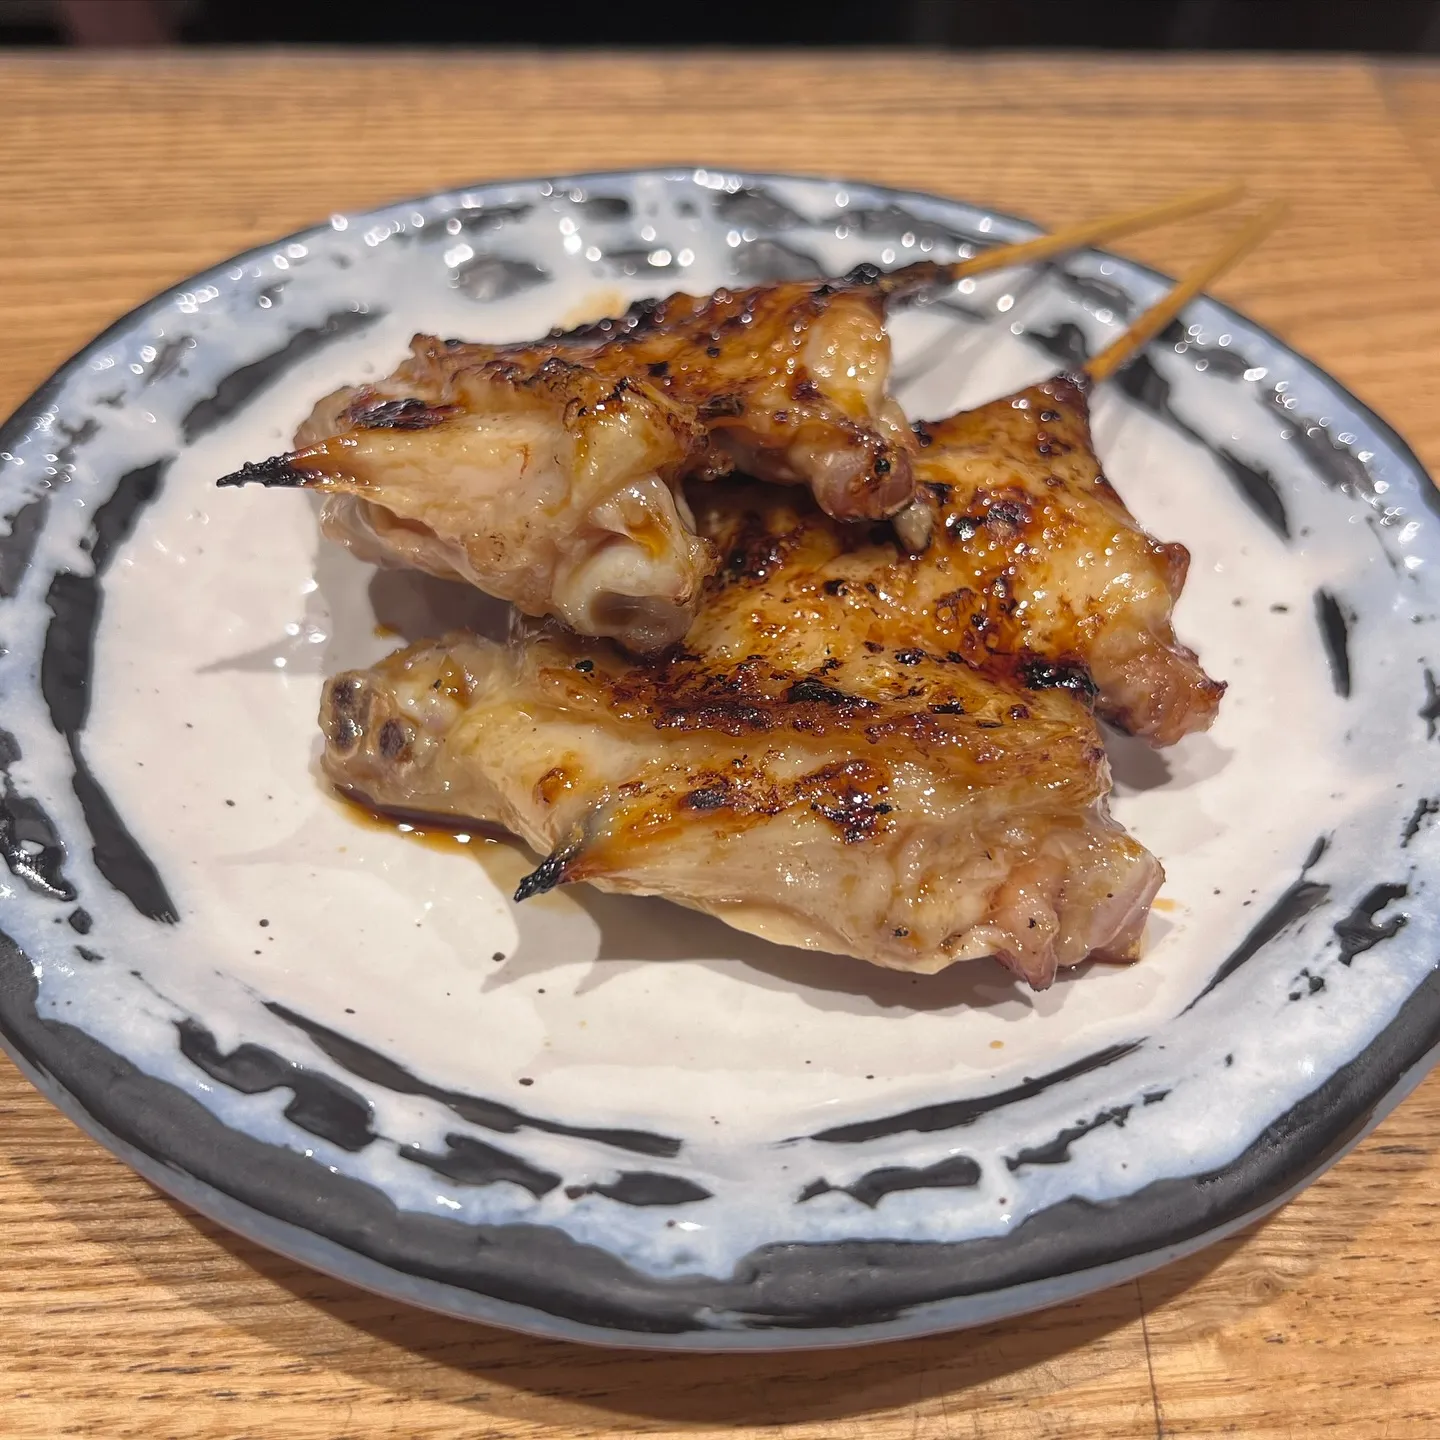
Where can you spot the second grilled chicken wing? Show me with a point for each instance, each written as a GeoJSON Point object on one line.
{"type": "Point", "coordinates": [1034, 571]}
{"type": "Point", "coordinates": [910, 815]}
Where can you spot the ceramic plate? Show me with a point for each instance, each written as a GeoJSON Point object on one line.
{"type": "Point", "coordinates": [608, 1118]}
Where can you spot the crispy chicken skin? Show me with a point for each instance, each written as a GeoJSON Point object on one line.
{"type": "Point", "coordinates": [815, 765]}
{"type": "Point", "coordinates": [545, 484]}
{"type": "Point", "coordinates": [789, 380]}
{"type": "Point", "coordinates": [1032, 554]}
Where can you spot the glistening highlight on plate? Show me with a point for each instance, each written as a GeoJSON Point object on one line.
{"type": "Point", "coordinates": [608, 1118]}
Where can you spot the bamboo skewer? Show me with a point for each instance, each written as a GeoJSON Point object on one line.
{"type": "Point", "coordinates": [1124, 347]}
{"type": "Point", "coordinates": [1097, 231]}
{"type": "Point", "coordinates": [925, 273]}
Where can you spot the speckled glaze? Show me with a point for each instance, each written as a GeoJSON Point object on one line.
{"type": "Point", "coordinates": [608, 1118]}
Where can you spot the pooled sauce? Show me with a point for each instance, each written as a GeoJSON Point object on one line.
{"type": "Point", "coordinates": [427, 830]}
{"type": "Point", "coordinates": [505, 860]}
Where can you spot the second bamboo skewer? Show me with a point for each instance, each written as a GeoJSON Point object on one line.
{"type": "Point", "coordinates": [1148, 325]}
{"type": "Point", "coordinates": [926, 273]}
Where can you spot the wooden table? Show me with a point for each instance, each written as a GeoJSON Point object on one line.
{"type": "Point", "coordinates": [124, 1314]}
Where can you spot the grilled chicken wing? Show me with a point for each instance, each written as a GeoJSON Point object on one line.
{"type": "Point", "coordinates": [816, 766]}
{"type": "Point", "coordinates": [1032, 554]}
{"type": "Point", "coordinates": [895, 828]}
{"type": "Point", "coordinates": [544, 484]}
{"type": "Point", "coordinates": [544, 472]}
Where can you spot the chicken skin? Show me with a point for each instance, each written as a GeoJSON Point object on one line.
{"type": "Point", "coordinates": [1029, 553]}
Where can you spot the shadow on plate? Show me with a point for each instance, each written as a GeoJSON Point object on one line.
{"type": "Point", "coordinates": [1134, 764]}
{"type": "Point", "coordinates": [1136, 767]}
{"type": "Point", "coordinates": [420, 607]}
{"type": "Point", "coordinates": [637, 931]}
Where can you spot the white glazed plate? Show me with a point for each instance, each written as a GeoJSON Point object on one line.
{"type": "Point", "coordinates": [609, 1118]}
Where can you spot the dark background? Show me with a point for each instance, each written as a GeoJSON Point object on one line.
{"type": "Point", "coordinates": [1394, 27]}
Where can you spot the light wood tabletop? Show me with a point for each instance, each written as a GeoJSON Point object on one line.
{"type": "Point", "coordinates": [124, 1314]}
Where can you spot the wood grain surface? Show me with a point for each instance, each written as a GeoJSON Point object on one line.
{"type": "Point", "coordinates": [122, 1314]}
